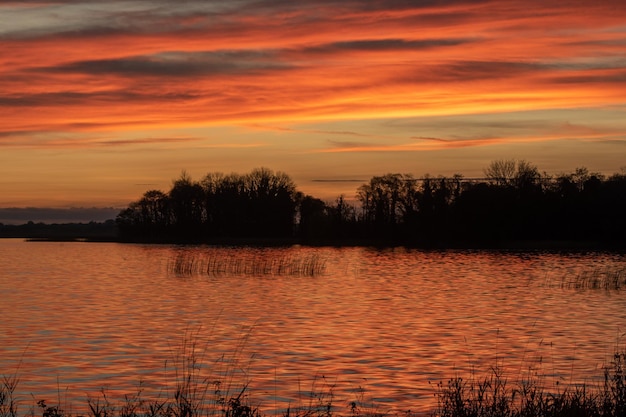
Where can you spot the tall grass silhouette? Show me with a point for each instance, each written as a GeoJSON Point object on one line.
{"type": "Point", "coordinates": [203, 387]}
{"type": "Point", "coordinates": [494, 395]}
{"type": "Point", "coordinates": [8, 404]}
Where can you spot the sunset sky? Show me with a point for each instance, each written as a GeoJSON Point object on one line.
{"type": "Point", "coordinates": [101, 101]}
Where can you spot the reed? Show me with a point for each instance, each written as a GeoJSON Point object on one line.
{"type": "Point", "coordinates": [597, 279]}
{"type": "Point", "coordinates": [188, 264]}
{"type": "Point", "coordinates": [8, 403]}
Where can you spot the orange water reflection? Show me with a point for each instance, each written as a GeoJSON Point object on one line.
{"type": "Point", "coordinates": [376, 325]}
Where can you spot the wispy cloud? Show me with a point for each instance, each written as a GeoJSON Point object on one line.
{"type": "Point", "coordinates": [383, 45]}
{"type": "Point", "coordinates": [62, 141]}
{"type": "Point", "coordinates": [547, 132]}
{"type": "Point", "coordinates": [348, 145]}
{"type": "Point", "coordinates": [418, 145]}
{"type": "Point", "coordinates": [176, 64]}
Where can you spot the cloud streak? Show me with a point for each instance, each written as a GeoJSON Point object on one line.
{"type": "Point", "coordinates": [176, 64]}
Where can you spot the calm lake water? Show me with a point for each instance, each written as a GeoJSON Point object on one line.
{"type": "Point", "coordinates": [379, 326]}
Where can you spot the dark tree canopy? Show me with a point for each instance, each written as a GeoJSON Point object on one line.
{"type": "Point", "coordinates": [261, 203]}
{"type": "Point", "coordinates": [513, 203]}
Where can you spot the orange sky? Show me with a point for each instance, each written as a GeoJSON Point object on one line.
{"type": "Point", "coordinates": [101, 101]}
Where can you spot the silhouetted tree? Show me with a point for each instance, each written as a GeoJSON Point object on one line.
{"type": "Point", "coordinates": [614, 206]}
{"type": "Point", "coordinates": [343, 218]}
{"type": "Point", "coordinates": [315, 221]}
{"type": "Point", "coordinates": [147, 218]}
{"type": "Point", "coordinates": [129, 222]}
{"type": "Point", "coordinates": [501, 172]}
{"type": "Point", "coordinates": [527, 177]}
{"type": "Point", "coordinates": [409, 199]}
{"type": "Point", "coordinates": [231, 212]}
{"type": "Point", "coordinates": [212, 185]}
{"type": "Point", "coordinates": [381, 200]}
{"type": "Point", "coordinates": [271, 203]}
{"type": "Point", "coordinates": [187, 206]}
{"type": "Point", "coordinates": [436, 198]}
{"type": "Point", "coordinates": [154, 206]}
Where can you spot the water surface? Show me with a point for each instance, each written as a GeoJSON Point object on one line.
{"type": "Point", "coordinates": [381, 326]}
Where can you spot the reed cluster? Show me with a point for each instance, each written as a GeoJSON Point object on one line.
{"type": "Point", "coordinates": [188, 264]}
{"type": "Point", "coordinates": [599, 278]}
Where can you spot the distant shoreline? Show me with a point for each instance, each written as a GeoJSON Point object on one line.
{"type": "Point", "coordinates": [524, 246]}
{"type": "Point", "coordinates": [106, 232]}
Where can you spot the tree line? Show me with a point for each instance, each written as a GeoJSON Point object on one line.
{"type": "Point", "coordinates": [92, 231]}
{"type": "Point", "coordinates": [513, 202]}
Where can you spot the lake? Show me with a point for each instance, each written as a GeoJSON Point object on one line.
{"type": "Point", "coordinates": [382, 327]}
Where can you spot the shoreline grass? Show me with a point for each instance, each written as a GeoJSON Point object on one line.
{"type": "Point", "coordinates": [220, 388]}
{"type": "Point", "coordinates": [198, 386]}
{"type": "Point", "coordinates": [494, 395]}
